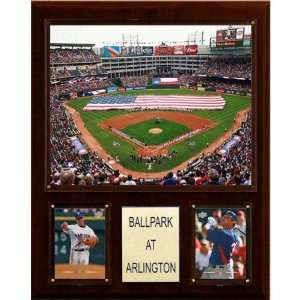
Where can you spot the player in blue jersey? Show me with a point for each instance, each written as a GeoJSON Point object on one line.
{"type": "Point", "coordinates": [224, 240]}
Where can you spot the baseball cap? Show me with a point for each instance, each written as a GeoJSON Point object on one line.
{"type": "Point", "coordinates": [232, 215]}
{"type": "Point", "coordinates": [79, 214]}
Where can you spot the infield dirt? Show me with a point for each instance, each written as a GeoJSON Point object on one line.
{"type": "Point", "coordinates": [188, 119]}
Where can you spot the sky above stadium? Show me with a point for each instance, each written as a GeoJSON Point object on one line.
{"type": "Point", "coordinates": [146, 35]}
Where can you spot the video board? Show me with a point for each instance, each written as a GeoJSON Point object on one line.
{"type": "Point", "coordinates": [111, 51]}
{"type": "Point", "coordinates": [231, 37]}
{"type": "Point", "coordinates": [147, 50]}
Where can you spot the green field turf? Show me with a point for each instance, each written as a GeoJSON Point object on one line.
{"type": "Point", "coordinates": [169, 129]}
{"type": "Point", "coordinates": [186, 149]}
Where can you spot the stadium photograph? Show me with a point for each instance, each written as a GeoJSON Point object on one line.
{"type": "Point", "coordinates": [150, 105]}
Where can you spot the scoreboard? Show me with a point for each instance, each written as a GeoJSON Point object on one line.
{"type": "Point", "coordinates": [232, 37]}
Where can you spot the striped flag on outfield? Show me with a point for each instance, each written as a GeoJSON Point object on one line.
{"type": "Point", "coordinates": [152, 102]}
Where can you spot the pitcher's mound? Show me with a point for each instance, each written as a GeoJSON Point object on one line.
{"type": "Point", "coordinates": [155, 130]}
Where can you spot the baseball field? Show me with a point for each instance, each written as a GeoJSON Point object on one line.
{"type": "Point", "coordinates": [155, 129]}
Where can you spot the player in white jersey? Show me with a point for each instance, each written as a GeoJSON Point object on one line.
{"type": "Point", "coordinates": [80, 235]}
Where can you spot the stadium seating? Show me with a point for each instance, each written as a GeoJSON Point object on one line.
{"type": "Point", "coordinates": [79, 85]}
{"type": "Point", "coordinates": [226, 68]}
{"type": "Point", "coordinates": [140, 81]}
{"type": "Point", "coordinates": [74, 55]}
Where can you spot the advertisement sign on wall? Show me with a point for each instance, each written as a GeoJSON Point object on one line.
{"type": "Point", "coordinates": [147, 50]}
{"type": "Point", "coordinates": [191, 49]}
{"type": "Point", "coordinates": [123, 51]}
{"type": "Point", "coordinates": [111, 51]}
{"type": "Point", "coordinates": [164, 50]}
{"type": "Point", "coordinates": [213, 42]}
{"type": "Point", "coordinates": [131, 51]}
{"type": "Point", "coordinates": [178, 50]}
{"type": "Point", "coordinates": [138, 50]}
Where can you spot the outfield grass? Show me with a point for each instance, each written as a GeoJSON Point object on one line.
{"type": "Point", "coordinates": [224, 119]}
{"type": "Point", "coordinates": [169, 129]}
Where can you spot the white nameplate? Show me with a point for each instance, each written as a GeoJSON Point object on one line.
{"type": "Point", "coordinates": [150, 244]}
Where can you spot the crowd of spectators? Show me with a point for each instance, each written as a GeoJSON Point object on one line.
{"type": "Point", "coordinates": [233, 168]}
{"type": "Point", "coordinates": [61, 73]}
{"type": "Point", "coordinates": [136, 81]}
{"type": "Point", "coordinates": [69, 167]}
{"type": "Point", "coordinates": [233, 85]}
{"type": "Point", "coordinates": [65, 72]}
{"type": "Point", "coordinates": [74, 55]}
{"type": "Point", "coordinates": [187, 79]}
{"type": "Point", "coordinates": [203, 247]}
{"type": "Point", "coordinates": [212, 82]}
{"type": "Point", "coordinates": [79, 85]}
{"type": "Point", "coordinates": [226, 68]}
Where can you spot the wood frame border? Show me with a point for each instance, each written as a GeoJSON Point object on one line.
{"type": "Point", "coordinates": [171, 13]}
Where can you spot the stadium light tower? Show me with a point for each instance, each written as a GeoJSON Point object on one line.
{"type": "Point", "coordinates": [202, 38]}
{"type": "Point", "coordinates": [188, 39]}
{"type": "Point", "coordinates": [195, 37]}
{"type": "Point", "coordinates": [198, 39]}
{"type": "Point", "coordinates": [123, 39]}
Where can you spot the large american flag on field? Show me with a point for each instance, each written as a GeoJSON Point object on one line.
{"type": "Point", "coordinates": [155, 102]}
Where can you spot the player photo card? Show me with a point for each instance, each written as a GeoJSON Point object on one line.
{"type": "Point", "coordinates": [221, 245]}
{"type": "Point", "coordinates": [79, 244]}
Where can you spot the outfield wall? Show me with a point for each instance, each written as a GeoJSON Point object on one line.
{"type": "Point", "coordinates": [224, 91]}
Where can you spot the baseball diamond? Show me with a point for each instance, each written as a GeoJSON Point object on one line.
{"type": "Point", "coordinates": [167, 130]}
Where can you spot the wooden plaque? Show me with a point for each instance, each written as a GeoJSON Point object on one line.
{"type": "Point", "coordinates": [186, 199]}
